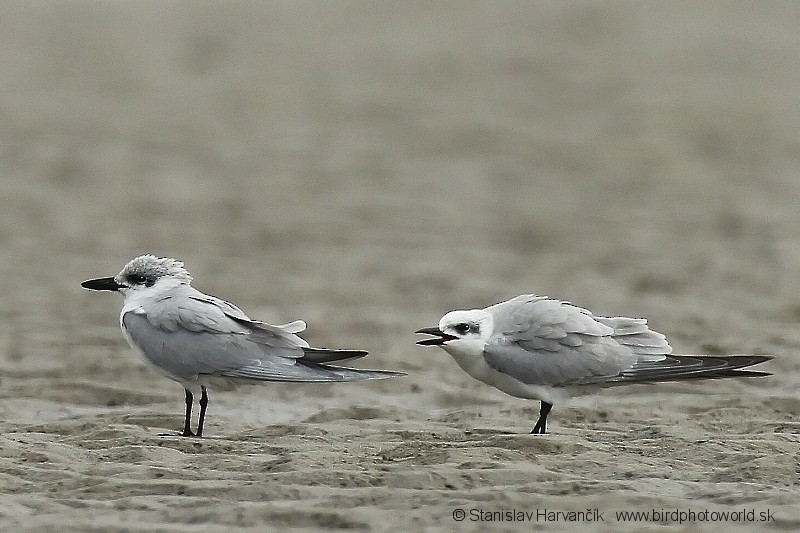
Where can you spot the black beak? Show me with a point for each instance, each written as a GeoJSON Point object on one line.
{"type": "Point", "coordinates": [439, 337]}
{"type": "Point", "coordinates": [101, 284]}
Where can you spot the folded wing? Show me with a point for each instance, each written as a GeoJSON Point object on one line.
{"type": "Point", "coordinates": [543, 341]}
{"type": "Point", "coordinates": [192, 334]}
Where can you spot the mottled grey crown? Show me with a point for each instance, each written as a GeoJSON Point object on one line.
{"type": "Point", "coordinates": [146, 269]}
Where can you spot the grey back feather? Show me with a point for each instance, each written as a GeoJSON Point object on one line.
{"type": "Point", "coordinates": [187, 333]}
{"type": "Point", "coordinates": [542, 341]}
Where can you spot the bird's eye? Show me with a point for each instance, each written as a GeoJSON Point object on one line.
{"type": "Point", "coordinates": [137, 279]}
{"type": "Point", "coordinates": [463, 329]}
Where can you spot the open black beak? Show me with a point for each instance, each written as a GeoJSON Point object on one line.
{"type": "Point", "coordinates": [439, 337]}
{"type": "Point", "coordinates": [101, 284]}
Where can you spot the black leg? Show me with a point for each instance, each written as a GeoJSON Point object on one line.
{"type": "Point", "coordinates": [203, 404]}
{"type": "Point", "coordinates": [187, 431]}
{"type": "Point", "coordinates": [541, 424]}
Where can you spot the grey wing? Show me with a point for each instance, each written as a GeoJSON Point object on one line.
{"type": "Point", "coordinates": [541, 341]}
{"type": "Point", "coordinates": [258, 328]}
{"type": "Point", "coordinates": [548, 342]}
{"type": "Point", "coordinates": [188, 333]}
{"type": "Point", "coordinates": [186, 308]}
{"type": "Point", "coordinates": [187, 354]}
{"type": "Point", "coordinates": [269, 335]}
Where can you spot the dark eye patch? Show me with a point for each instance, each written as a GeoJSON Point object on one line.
{"type": "Point", "coordinates": [463, 329]}
{"type": "Point", "coordinates": [138, 279]}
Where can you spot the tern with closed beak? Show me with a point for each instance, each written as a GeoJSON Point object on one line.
{"type": "Point", "coordinates": [204, 342]}
{"type": "Point", "coordinates": [544, 349]}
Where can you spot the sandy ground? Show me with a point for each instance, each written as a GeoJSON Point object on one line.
{"type": "Point", "coordinates": [368, 167]}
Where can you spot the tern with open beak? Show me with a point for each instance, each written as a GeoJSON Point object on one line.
{"type": "Point", "coordinates": [543, 349]}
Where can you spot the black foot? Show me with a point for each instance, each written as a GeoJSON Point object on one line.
{"type": "Point", "coordinates": [186, 433]}
{"type": "Point", "coordinates": [541, 425]}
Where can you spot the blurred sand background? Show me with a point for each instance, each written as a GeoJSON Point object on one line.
{"type": "Point", "coordinates": [368, 167]}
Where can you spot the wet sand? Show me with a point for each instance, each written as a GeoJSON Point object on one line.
{"type": "Point", "coordinates": [368, 168]}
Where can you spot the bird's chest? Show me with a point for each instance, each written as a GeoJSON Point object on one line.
{"type": "Point", "coordinates": [472, 364]}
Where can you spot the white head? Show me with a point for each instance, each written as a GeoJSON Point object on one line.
{"type": "Point", "coordinates": [142, 276]}
{"type": "Point", "coordinates": [461, 333]}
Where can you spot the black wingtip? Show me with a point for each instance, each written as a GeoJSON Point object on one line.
{"type": "Point", "coordinates": [687, 367]}
{"type": "Point", "coordinates": [743, 374]}
{"type": "Point", "coordinates": [325, 355]}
